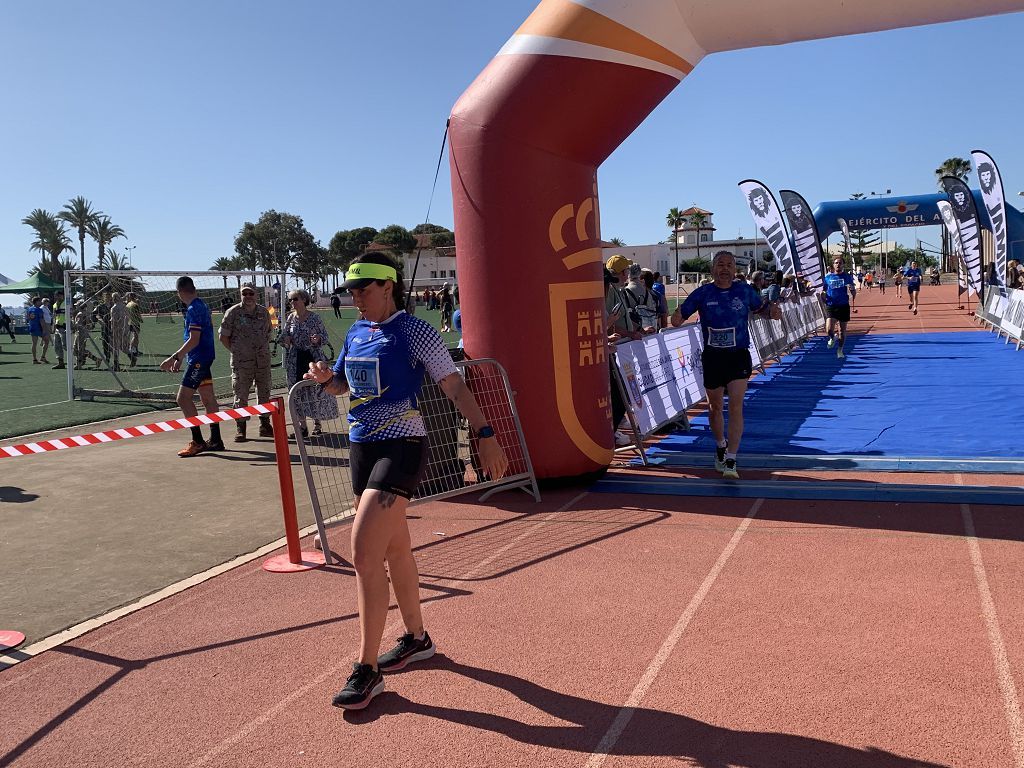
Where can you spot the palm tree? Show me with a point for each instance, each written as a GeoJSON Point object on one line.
{"type": "Point", "coordinates": [675, 220]}
{"type": "Point", "coordinates": [953, 166]}
{"type": "Point", "coordinates": [697, 220]}
{"type": "Point", "coordinates": [44, 223]}
{"type": "Point", "coordinates": [617, 242]}
{"type": "Point", "coordinates": [103, 231]}
{"type": "Point", "coordinates": [78, 213]}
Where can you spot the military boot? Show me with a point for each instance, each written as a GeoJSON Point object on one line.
{"type": "Point", "coordinates": [266, 430]}
{"type": "Point", "coordinates": [240, 431]}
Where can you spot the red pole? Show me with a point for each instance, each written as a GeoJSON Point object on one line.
{"type": "Point", "coordinates": [296, 559]}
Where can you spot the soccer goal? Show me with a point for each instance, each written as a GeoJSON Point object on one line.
{"type": "Point", "coordinates": [122, 324]}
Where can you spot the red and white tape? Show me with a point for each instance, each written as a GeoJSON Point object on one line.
{"type": "Point", "coordinates": [141, 431]}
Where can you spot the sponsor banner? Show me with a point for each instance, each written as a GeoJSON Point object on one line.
{"type": "Point", "coordinates": [806, 242]}
{"type": "Point", "coordinates": [949, 220]}
{"type": "Point", "coordinates": [846, 237]}
{"type": "Point", "coordinates": [768, 220]}
{"type": "Point", "coordinates": [965, 213]}
{"type": "Point", "coordinates": [995, 206]}
{"type": "Point", "coordinates": [662, 375]}
{"type": "Point", "coordinates": [1012, 308]}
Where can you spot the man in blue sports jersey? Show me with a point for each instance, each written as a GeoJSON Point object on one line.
{"type": "Point", "coordinates": [198, 352]}
{"type": "Point", "coordinates": [913, 276]}
{"type": "Point", "coordinates": [725, 306]}
{"type": "Point", "coordinates": [839, 289]}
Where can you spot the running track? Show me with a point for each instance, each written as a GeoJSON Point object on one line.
{"type": "Point", "coordinates": [592, 630]}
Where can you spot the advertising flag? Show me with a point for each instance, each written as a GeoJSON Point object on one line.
{"type": "Point", "coordinates": [768, 220]}
{"type": "Point", "coordinates": [995, 206]}
{"type": "Point", "coordinates": [965, 213]}
{"type": "Point", "coordinates": [806, 242]}
{"type": "Point", "coordinates": [958, 249]}
{"type": "Point", "coordinates": [846, 237]}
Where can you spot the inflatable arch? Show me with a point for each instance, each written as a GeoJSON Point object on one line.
{"type": "Point", "coordinates": [893, 212]}
{"type": "Point", "coordinates": [527, 138]}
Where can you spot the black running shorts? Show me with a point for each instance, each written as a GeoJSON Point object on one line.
{"type": "Point", "coordinates": [915, 288]}
{"type": "Point", "coordinates": [395, 466]}
{"type": "Point", "coordinates": [840, 312]}
{"type": "Point", "coordinates": [724, 365]}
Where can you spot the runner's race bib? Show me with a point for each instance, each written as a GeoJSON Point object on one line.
{"type": "Point", "coordinates": [722, 338]}
{"type": "Point", "coordinates": [363, 375]}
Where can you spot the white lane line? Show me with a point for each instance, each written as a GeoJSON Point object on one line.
{"type": "Point", "coordinates": [1004, 675]}
{"type": "Point", "coordinates": [334, 671]}
{"type": "Point", "coordinates": [621, 721]}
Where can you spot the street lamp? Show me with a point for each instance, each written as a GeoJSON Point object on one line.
{"type": "Point", "coordinates": [883, 255]}
{"type": "Point", "coordinates": [130, 248]}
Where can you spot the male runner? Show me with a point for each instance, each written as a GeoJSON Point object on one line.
{"type": "Point", "coordinates": [724, 307]}
{"type": "Point", "coordinates": [839, 289]}
{"type": "Point", "coordinates": [199, 352]}
{"type": "Point", "coordinates": [913, 276]}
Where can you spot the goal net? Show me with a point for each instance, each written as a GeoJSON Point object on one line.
{"type": "Point", "coordinates": [122, 324]}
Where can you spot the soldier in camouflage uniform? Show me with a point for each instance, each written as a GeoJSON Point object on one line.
{"type": "Point", "coordinates": [245, 330]}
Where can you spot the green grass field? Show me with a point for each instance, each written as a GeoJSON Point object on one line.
{"type": "Point", "coordinates": [33, 398]}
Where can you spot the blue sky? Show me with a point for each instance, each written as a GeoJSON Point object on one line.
{"type": "Point", "coordinates": [184, 121]}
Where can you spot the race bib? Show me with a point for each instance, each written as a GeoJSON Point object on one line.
{"type": "Point", "coordinates": [363, 375]}
{"type": "Point", "coordinates": [722, 338]}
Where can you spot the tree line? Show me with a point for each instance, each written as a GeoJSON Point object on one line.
{"type": "Point", "coordinates": [53, 240]}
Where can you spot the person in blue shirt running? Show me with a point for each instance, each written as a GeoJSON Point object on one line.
{"type": "Point", "coordinates": [725, 306]}
{"type": "Point", "coordinates": [198, 352]}
{"type": "Point", "coordinates": [839, 290]}
{"type": "Point", "coordinates": [913, 276]}
{"type": "Point", "coordinates": [381, 366]}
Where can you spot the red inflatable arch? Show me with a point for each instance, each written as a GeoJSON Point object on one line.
{"type": "Point", "coordinates": [527, 138]}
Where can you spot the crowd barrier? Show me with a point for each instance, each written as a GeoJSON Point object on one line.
{"type": "Point", "coordinates": [660, 376]}
{"type": "Point", "coordinates": [1003, 312]}
{"type": "Point", "coordinates": [452, 465]}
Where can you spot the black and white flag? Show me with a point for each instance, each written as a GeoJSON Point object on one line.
{"type": "Point", "coordinates": [846, 236]}
{"type": "Point", "coordinates": [958, 249]}
{"type": "Point", "coordinates": [995, 206]}
{"type": "Point", "coordinates": [805, 238]}
{"type": "Point", "coordinates": [768, 221]}
{"type": "Point", "coordinates": [966, 215]}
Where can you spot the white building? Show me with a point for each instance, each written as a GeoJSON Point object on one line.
{"type": "Point", "coordinates": [693, 242]}
{"type": "Point", "coordinates": [436, 267]}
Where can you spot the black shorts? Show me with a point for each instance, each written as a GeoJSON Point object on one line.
{"type": "Point", "coordinates": [724, 365]}
{"type": "Point", "coordinates": [196, 375]}
{"type": "Point", "coordinates": [915, 288]}
{"type": "Point", "coordinates": [395, 466]}
{"type": "Point", "coordinates": [840, 312]}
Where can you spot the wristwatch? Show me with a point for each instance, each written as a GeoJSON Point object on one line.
{"type": "Point", "coordinates": [485, 431]}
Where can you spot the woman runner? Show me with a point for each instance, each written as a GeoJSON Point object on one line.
{"type": "Point", "coordinates": [381, 366]}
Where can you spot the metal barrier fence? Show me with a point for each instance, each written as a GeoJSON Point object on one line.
{"type": "Point", "coordinates": [452, 465]}
{"type": "Point", "coordinates": [1003, 312]}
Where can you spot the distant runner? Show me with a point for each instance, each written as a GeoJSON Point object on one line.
{"type": "Point", "coordinates": [913, 276]}
{"type": "Point", "coordinates": [725, 306]}
{"type": "Point", "coordinates": [839, 290]}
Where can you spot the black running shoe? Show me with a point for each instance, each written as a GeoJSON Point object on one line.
{"type": "Point", "coordinates": [720, 458]}
{"type": "Point", "coordinates": [217, 445]}
{"type": "Point", "coordinates": [362, 685]}
{"type": "Point", "coordinates": [408, 650]}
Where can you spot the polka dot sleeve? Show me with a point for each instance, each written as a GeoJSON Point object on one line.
{"type": "Point", "coordinates": [426, 346]}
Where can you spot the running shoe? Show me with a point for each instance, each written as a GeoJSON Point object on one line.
{"type": "Point", "coordinates": [840, 354]}
{"type": "Point", "coordinates": [831, 342]}
{"type": "Point", "coordinates": [720, 459]}
{"type": "Point", "coordinates": [194, 448]}
{"type": "Point", "coordinates": [915, 311]}
{"type": "Point", "coordinates": [362, 685]}
{"type": "Point", "coordinates": [408, 650]}
{"type": "Point", "coordinates": [910, 306]}
{"type": "Point", "coordinates": [730, 472]}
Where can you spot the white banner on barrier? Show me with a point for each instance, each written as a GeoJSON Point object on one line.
{"type": "Point", "coordinates": [1012, 319]}
{"type": "Point", "coordinates": [662, 375]}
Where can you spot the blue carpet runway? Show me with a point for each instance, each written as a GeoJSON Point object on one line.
{"type": "Point", "coordinates": [940, 402]}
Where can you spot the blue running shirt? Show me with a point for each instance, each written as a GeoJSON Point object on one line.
{"type": "Point", "coordinates": [836, 294]}
{"type": "Point", "coordinates": [723, 313]}
{"type": "Point", "coordinates": [913, 277]}
{"type": "Point", "coordinates": [383, 364]}
{"type": "Point", "coordinates": [197, 317]}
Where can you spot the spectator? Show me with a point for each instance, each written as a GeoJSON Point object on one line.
{"type": "Point", "coordinates": [773, 290]}
{"type": "Point", "coordinates": [455, 294]}
{"type": "Point", "coordinates": [659, 298]}
{"type": "Point", "coordinates": [640, 302]}
{"type": "Point", "coordinates": [60, 339]}
{"type": "Point", "coordinates": [133, 314]}
{"type": "Point", "coordinates": [457, 323]}
{"type": "Point", "coordinates": [101, 315]}
{"type": "Point", "coordinates": [37, 329]}
{"type": "Point", "coordinates": [118, 328]}
{"type": "Point", "coordinates": [303, 339]}
{"type": "Point", "coordinates": [757, 281]}
{"type": "Point", "coordinates": [447, 307]}
{"type": "Point", "coordinates": [1014, 274]}
{"type": "Point", "coordinates": [659, 289]}
{"type": "Point", "coordinates": [5, 324]}
{"type": "Point", "coordinates": [245, 332]}
{"type": "Point", "coordinates": [47, 325]}
{"type": "Point", "coordinates": [81, 326]}
{"type": "Point", "coordinates": [336, 305]}
{"type": "Point", "coordinates": [198, 352]}
{"type": "Point", "coordinates": [619, 326]}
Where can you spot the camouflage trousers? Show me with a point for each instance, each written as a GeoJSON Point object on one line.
{"type": "Point", "coordinates": [242, 380]}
